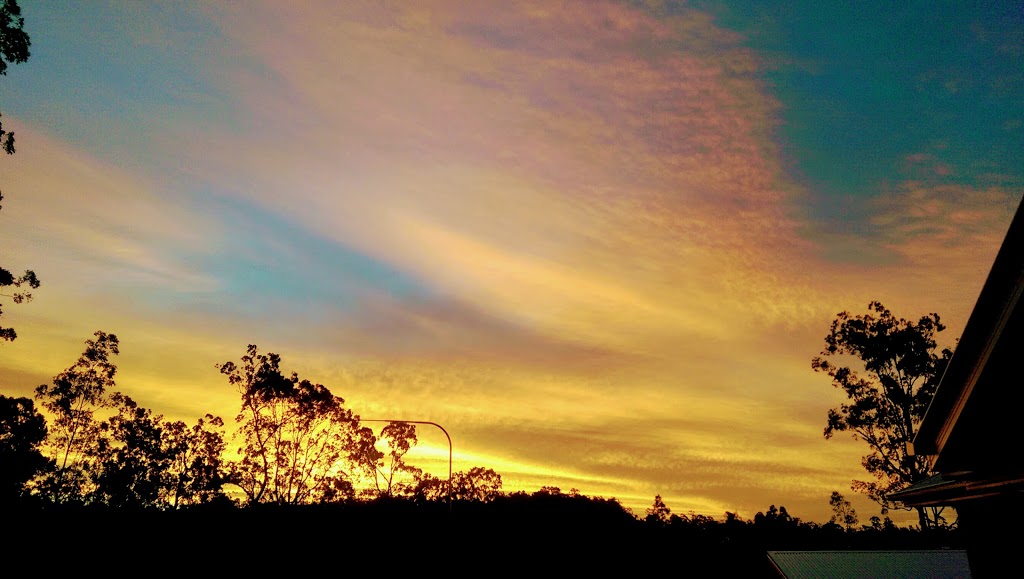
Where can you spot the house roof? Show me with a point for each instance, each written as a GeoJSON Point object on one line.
{"type": "Point", "coordinates": [939, 489]}
{"type": "Point", "coordinates": [937, 564]}
{"type": "Point", "coordinates": [973, 412]}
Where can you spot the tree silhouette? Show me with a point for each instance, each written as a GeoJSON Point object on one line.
{"type": "Point", "coordinates": [14, 44]}
{"type": "Point", "coordinates": [298, 439]}
{"type": "Point", "coordinates": [843, 512]}
{"type": "Point", "coordinates": [130, 467]}
{"type": "Point", "coordinates": [7, 280]}
{"type": "Point", "coordinates": [142, 461]}
{"type": "Point", "coordinates": [477, 484]}
{"type": "Point", "coordinates": [658, 513]}
{"type": "Point", "coordinates": [886, 404]}
{"type": "Point", "coordinates": [197, 471]}
{"type": "Point", "coordinates": [22, 432]}
{"type": "Point", "coordinates": [430, 488]}
{"type": "Point", "coordinates": [775, 518]}
{"type": "Point", "coordinates": [392, 476]}
{"type": "Point", "coordinates": [72, 400]}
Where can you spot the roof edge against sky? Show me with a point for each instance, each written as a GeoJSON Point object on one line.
{"type": "Point", "coordinates": [996, 303]}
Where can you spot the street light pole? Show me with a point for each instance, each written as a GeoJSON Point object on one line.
{"type": "Point", "coordinates": [446, 436]}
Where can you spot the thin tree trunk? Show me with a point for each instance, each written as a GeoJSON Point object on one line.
{"type": "Point", "coordinates": [922, 518]}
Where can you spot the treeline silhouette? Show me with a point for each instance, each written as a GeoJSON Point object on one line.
{"type": "Point", "coordinates": [90, 472]}
{"type": "Point", "coordinates": [540, 532]}
{"type": "Point", "coordinates": [88, 445]}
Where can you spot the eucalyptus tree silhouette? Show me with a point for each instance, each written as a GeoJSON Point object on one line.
{"type": "Point", "coordinates": [900, 370]}
{"type": "Point", "coordinates": [299, 442]}
{"type": "Point", "coordinates": [72, 401]}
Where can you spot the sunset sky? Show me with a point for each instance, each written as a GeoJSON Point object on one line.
{"type": "Point", "coordinates": [599, 242]}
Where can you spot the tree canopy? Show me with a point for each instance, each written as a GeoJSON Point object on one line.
{"type": "Point", "coordinates": [72, 400]}
{"type": "Point", "coordinates": [14, 45]}
{"type": "Point", "coordinates": [22, 433]}
{"type": "Point", "coordinates": [298, 439]}
{"type": "Point", "coordinates": [392, 476]}
{"type": "Point", "coordinates": [887, 396]}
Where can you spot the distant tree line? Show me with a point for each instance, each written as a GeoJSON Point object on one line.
{"type": "Point", "coordinates": [94, 464]}
{"type": "Point", "coordinates": [88, 444]}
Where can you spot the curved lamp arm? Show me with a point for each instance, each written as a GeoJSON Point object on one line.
{"type": "Point", "coordinates": [446, 436]}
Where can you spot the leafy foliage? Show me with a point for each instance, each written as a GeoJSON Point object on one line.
{"type": "Point", "coordinates": [477, 484]}
{"type": "Point", "coordinates": [129, 467]}
{"type": "Point", "coordinates": [142, 461]}
{"type": "Point", "coordinates": [888, 399]}
{"type": "Point", "coordinates": [297, 438]}
{"type": "Point", "coordinates": [658, 512]}
{"type": "Point", "coordinates": [14, 45]}
{"type": "Point", "coordinates": [843, 512]}
{"type": "Point", "coordinates": [776, 521]}
{"type": "Point", "coordinates": [22, 432]}
{"type": "Point", "coordinates": [72, 401]}
{"type": "Point", "coordinates": [392, 476]}
{"type": "Point", "coordinates": [430, 488]}
{"type": "Point", "coordinates": [8, 280]}
{"type": "Point", "coordinates": [196, 469]}
{"type": "Point", "coordinates": [132, 458]}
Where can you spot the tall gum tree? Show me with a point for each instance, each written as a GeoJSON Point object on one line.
{"type": "Point", "coordinates": [298, 439]}
{"type": "Point", "coordinates": [391, 475]}
{"type": "Point", "coordinates": [887, 396]}
{"type": "Point", "coordinates": [197, 470]}
{"type": "Point", "coordinates": [130, 465]}
{"type": "Point", "coordinates": [72, 401]}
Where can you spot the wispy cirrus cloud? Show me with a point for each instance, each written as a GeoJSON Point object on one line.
{"type": "Point", "coordinates": [649, 168]}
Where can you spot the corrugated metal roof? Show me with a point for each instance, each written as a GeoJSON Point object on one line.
{"type": "Point", "coordinates": [939, 564]}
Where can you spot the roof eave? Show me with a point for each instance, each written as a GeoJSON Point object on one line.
{"type": "Point", "coordinates": [996, 304]}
